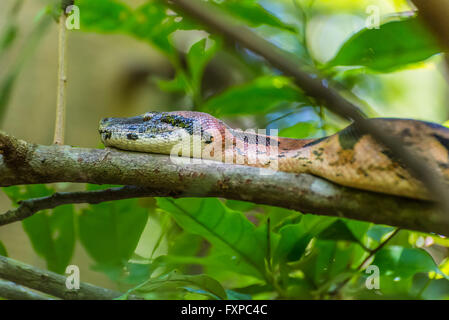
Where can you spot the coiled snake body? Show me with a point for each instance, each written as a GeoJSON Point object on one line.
{"type": "Point", "coordinates": [347, 158]}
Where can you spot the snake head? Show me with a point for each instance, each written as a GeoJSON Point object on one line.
{"type": "Point", "coordinates": [159, 132]}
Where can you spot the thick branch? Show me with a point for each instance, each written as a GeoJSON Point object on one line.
{"type": "Point", "coordinates": [317, 88]}
{"type": "Point", "coordinates": [162, 177]}
{"type": "Point", "coordinates": [50, 282]}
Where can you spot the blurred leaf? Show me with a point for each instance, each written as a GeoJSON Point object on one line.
{"type": "Point", "coordinates": [405, 262]}
{"type": "Point", "coordinates": [260, 95]}
{"type": "Point", "coordinates": [316, 265]}
{"type": "Point", "coordinates": [8, 81]}
{"type": "Point", "coordinates": [229, 230]}
{"type": "Point", "coordinates": [178, 84]}
{"type": "Point", "coordinates": [234, 295]}
{"type": "Point", "coordinates": [293, 243]}
{"type": "Point", "coordinates": [444, 268]}
{"type": "Point", "coordinates": [185, 244]}
{"type": "Point", "coordinates": [137, 272]}
{"type": "Point", "coordinates": [6, 88]}
{"type": "Point", "coordinates": [214, 262]}
{"type": "Point", "coordinates": [197, 59]}
{"type": "Point", "coordinates": [3, 251]}
{"type": "Point", "coordinates": [52, 234]}
{"type": "Point", "coordinates": [10, 27]}
{"type": "Point", "coordinates": [206, 284]}
{"type": "Point", "coordinates": [240, 205]}
{"type": "Point", "coordinates": [92, 187]}
{"type": "Point", "coordinates": [8, 37]}
{"type": "Point", "coordinates": [395, 45]}
{"type": "Point", "coordinates": [110, 232]}
{"type": "Point", "coordinates": [377, 232]}
{"type": "Point", "coordinates": [104, 15]}
{"type": "Point", "coordinates": [17, 193]}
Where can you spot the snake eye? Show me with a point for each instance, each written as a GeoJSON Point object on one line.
{"type": "Point", "coordinates": [147, 116]}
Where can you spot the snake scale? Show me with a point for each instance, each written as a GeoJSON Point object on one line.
{"type": "Point", "coordinates": [347, 157]}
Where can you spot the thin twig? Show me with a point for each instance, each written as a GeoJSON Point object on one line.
{"type": "Point", "coordinates": [62, 83]}
{"type": "Point", "coordinates": [317, 88]}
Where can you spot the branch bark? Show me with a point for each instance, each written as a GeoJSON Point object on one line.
{"type": "Point", "coordinates": [50, 282]}
{"type": "Point", "coordinates": [315, 87]}
{"type": "Point", "coordinates": [25, 163]}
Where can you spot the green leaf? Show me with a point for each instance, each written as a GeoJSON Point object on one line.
{"type": "Point", "coordinates": [300, 130]}
{"type": "Point", "coordinates": [185, 244]}
{"type": "Point", "coordinates": [178, 84]}
{"type": "Point", "coordinates": [239, 205]}
{"type": "Point", "coordinates": [234, 295]}
{"type": "Point", "coordinates": [338, 231]}
{"type": "Point", "coordinates": [7, 82]}
{"type": "Point", "coordinates": [226, 229]}
{"type": "Point", "coordinates": [3, 251]}
{"type": "Point", "coordinates": [151, 22]}
{"type": "Point", "coordinates": [110, 232]}
{"type": "Point", "coordinates": [197, 59]}
{"type": "Point", "coordinates": [257, 96]}
{"type": "Point", "coordinates": [395, 45]}
{"type": "Point", "coordinates": [8, 37]}
{"type": "Point", "coordinates": [51, 232]}
{"type": "Point", "coordinates": [137, 272]}
{"type": "Point", "coordinates": [405, 262]}
{"type": "Point", "coordinates": [377, 232]}
{"type": "Point", "coordinates": [204, 283]}
{"type": "Point", "coordinates": [103, 15]}
{"type": "Point", "coordinates": [293, 243]}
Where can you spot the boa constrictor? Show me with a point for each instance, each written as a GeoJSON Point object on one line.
{"type": "Point", "coordinates": [348, 157]}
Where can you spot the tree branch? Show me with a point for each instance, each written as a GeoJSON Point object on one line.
{"type": "Point", "coordinates": [50, 282]}
{"type": "Point", "coordinates": [10, 290]}
{"type": "Point", "coordinates": [317, 88]}
{"type": "Point", "coordinates": [25, 163]}
{"type": "Point", "coordinates": [435, 14]}
{"type": "Point", "coordinates": [31, 206]}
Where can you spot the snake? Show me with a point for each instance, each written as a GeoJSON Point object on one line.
{"type": "Point", "coordinates": [348, 158]}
